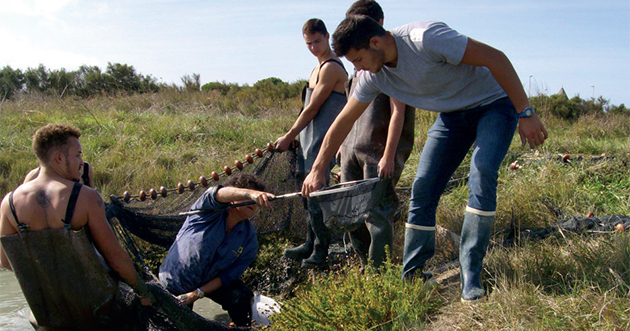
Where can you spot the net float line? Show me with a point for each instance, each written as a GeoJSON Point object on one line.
{"type": "Point", "coordinates": [568, 159]}
{"type": "Point", "coordinates": [203, 180]}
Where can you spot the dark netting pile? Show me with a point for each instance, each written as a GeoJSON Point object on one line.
{"type": "Point", "coordinates": [146, 225]}
{"type": "Point", "coordinates": [578, 225]}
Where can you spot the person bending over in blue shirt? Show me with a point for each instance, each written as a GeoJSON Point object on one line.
{"type": "Point", "coordinates": [213, 248]}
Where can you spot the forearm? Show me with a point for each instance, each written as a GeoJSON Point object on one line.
{"type": "Point", "coordinates": [229, 194]}
{"type": "Point", "coordinates": [395, 128]}
{"type": "Point", "coordinates": [507, 78]}
{"type": "Point", "coordinates": [211, 286]}
{"type": "Point", "coordinates": [121, 263]}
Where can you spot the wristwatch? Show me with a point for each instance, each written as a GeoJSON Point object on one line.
{"type": "Point", "coordinates": [527, 112]}
{"type": "Point", "coordinates": [200, 293]}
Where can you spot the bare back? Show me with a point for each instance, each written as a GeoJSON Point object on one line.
{"type": "Point", "coordinates": [42, 204]}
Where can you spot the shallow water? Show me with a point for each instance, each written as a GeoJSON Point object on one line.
{"type": "Point", "coordinates": [14, 310]}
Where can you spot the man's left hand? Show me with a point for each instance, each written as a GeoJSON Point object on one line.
{"type": "Point", "coordinates": [532, 131]}
{"type": "Point", "coordinates": [385, 168]}
{"type": "Point", "coordinates": [188, 298]}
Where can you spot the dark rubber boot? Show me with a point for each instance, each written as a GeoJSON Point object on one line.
{"type": "Point", "coordinates": [419, 247]}
{"type": "Point", "coordinates": [476, 232]}
{"type": "Point", "coordinates": [320, 243]}
{"type": "Point", "coordinates": [306, 249]}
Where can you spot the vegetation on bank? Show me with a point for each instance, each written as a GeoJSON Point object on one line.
{"type": "Point", "coordinates": [136, 141]}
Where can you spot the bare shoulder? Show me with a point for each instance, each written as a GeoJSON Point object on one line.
{"type": "Point", "coordinates": [333, 69]}
{"type": "Point", "coordinates": [91, 197]}
{"type": "Point", "coordinates": [89, 208]}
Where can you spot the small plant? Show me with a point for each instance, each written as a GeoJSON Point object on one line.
{"type": "Point", "coordinates": [355, 300]}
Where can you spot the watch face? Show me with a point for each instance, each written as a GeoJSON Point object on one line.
{"type": "Point", "coordinates": [527, 112]}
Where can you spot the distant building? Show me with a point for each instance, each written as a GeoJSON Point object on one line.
{"type": "Point", "coordinates": [562, 93]}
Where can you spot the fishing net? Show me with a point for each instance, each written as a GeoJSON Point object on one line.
{"type": "Point", "coordinates": [147, 223]}
{"type": "Point", "coordinates": [347, 205]}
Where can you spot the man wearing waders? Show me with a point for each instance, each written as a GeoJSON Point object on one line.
{"type": "Point", "coordinates": [325, 97]}
{"type": "Point", "coordinates": [51, 228]}
{"type": "Point", "coordinates": [379, 144]}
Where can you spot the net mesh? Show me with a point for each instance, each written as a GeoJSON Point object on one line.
{"type": "Point", "coordinates": [147, 224]}
{"type": "Point", "coordinates": [347, 205]}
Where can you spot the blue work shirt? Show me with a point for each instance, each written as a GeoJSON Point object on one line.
{"type": "Point", "coordinates": [203, 250]}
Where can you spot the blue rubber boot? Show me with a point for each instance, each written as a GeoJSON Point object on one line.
{"type": "Point", "coordinates": [419, 247]}
{"type": "Point", "coordinates": [476, 232]}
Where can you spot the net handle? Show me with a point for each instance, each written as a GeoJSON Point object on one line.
{"type": "Point", "coordinates": [244, 203]}
{"type": "Point", "coordinates": [345, 186]}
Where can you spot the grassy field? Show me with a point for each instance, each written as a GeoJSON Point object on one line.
{"type": "Point", "coordinates": [564, 282]}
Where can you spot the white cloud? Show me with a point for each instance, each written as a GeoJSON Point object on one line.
{"type": "Point", "coordinates": [25, 54]}
{"type": "Point", "coordinates": [35, 7]}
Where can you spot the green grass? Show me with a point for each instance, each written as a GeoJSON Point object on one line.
{"type": "Point", "coordinates": [138, 142]}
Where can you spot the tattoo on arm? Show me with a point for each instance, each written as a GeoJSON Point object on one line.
{"type": "Point", "coordinates": [99, 200]}
{"type": "Point", "coordinates": [42, 199]}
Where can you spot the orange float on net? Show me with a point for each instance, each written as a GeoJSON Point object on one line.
{"type": "Point", "coordinates": [190, 185]}
{"type": "Point", "coordinates": [153, 193]}
{"type": "Point", "coordinates": [203, 181]}
{"type": "Point", "coordinates": [270, 147]}
{"type": "Point", "coordinates": [258, 152]}
{"type": "Point", "coordinates": [249, 159]}
{"type": "Point", "coordinates": [126, 196]}
{"type": "Point", "coordinates": [163, 191]}
{"type": "Point", "coordinates": [215, 176]}
{"type": "Point", "coordinates": [566, 158]}
{"type": "Point", "coordinates": [142, 195]}
{"type": "Point", "coordinates": [620, 227]}
{"type": "Point", "coordinates": [180, 188]}
{"type": "Point", "coordinates": [227, 170]}
{"type": "Point", "coordinates": [238, 164]}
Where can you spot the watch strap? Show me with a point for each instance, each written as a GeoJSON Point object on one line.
{"type": "Point", "coordinates": [200, 293]}
{"type": "Point", "coordinates": [526, 113]}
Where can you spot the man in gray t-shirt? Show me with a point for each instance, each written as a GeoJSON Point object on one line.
{"type": "Point", "coordinates": [480, 99]}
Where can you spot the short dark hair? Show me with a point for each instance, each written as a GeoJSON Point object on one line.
{"type": "Point", "coordinates": [243, 180]}
{"type": "Point", "coordinates": [314, 25]}
{"type": "Point", "coordinates": [369, 8]}
{"type": "Point", "coordinates": [53, 135]}
{"type": "Point", "coordinates": [355, 32]}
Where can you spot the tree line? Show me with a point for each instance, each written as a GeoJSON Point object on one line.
{"type": "Point", "coordinates": [119, 78]}
{"type": "Point", "coordinates": [85, 82]}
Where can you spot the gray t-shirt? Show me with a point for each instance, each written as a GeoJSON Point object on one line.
{"type": "Point", "coordinates": [428, 74]}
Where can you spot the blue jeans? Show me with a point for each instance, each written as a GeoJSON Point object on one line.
{"type": "Point", "coordinates": [491, 129]}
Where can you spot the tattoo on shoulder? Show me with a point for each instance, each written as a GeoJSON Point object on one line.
{"type": "Point", "coordinates": [99, 200]}
{"type": "Point", "coordinates": [42, 199]}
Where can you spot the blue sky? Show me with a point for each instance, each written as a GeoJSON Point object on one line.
{"type": "Point", "coordinates": [581, 46]}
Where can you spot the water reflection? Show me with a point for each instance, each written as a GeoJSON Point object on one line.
{"type": "Point", "coordinates": [14, 310]}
